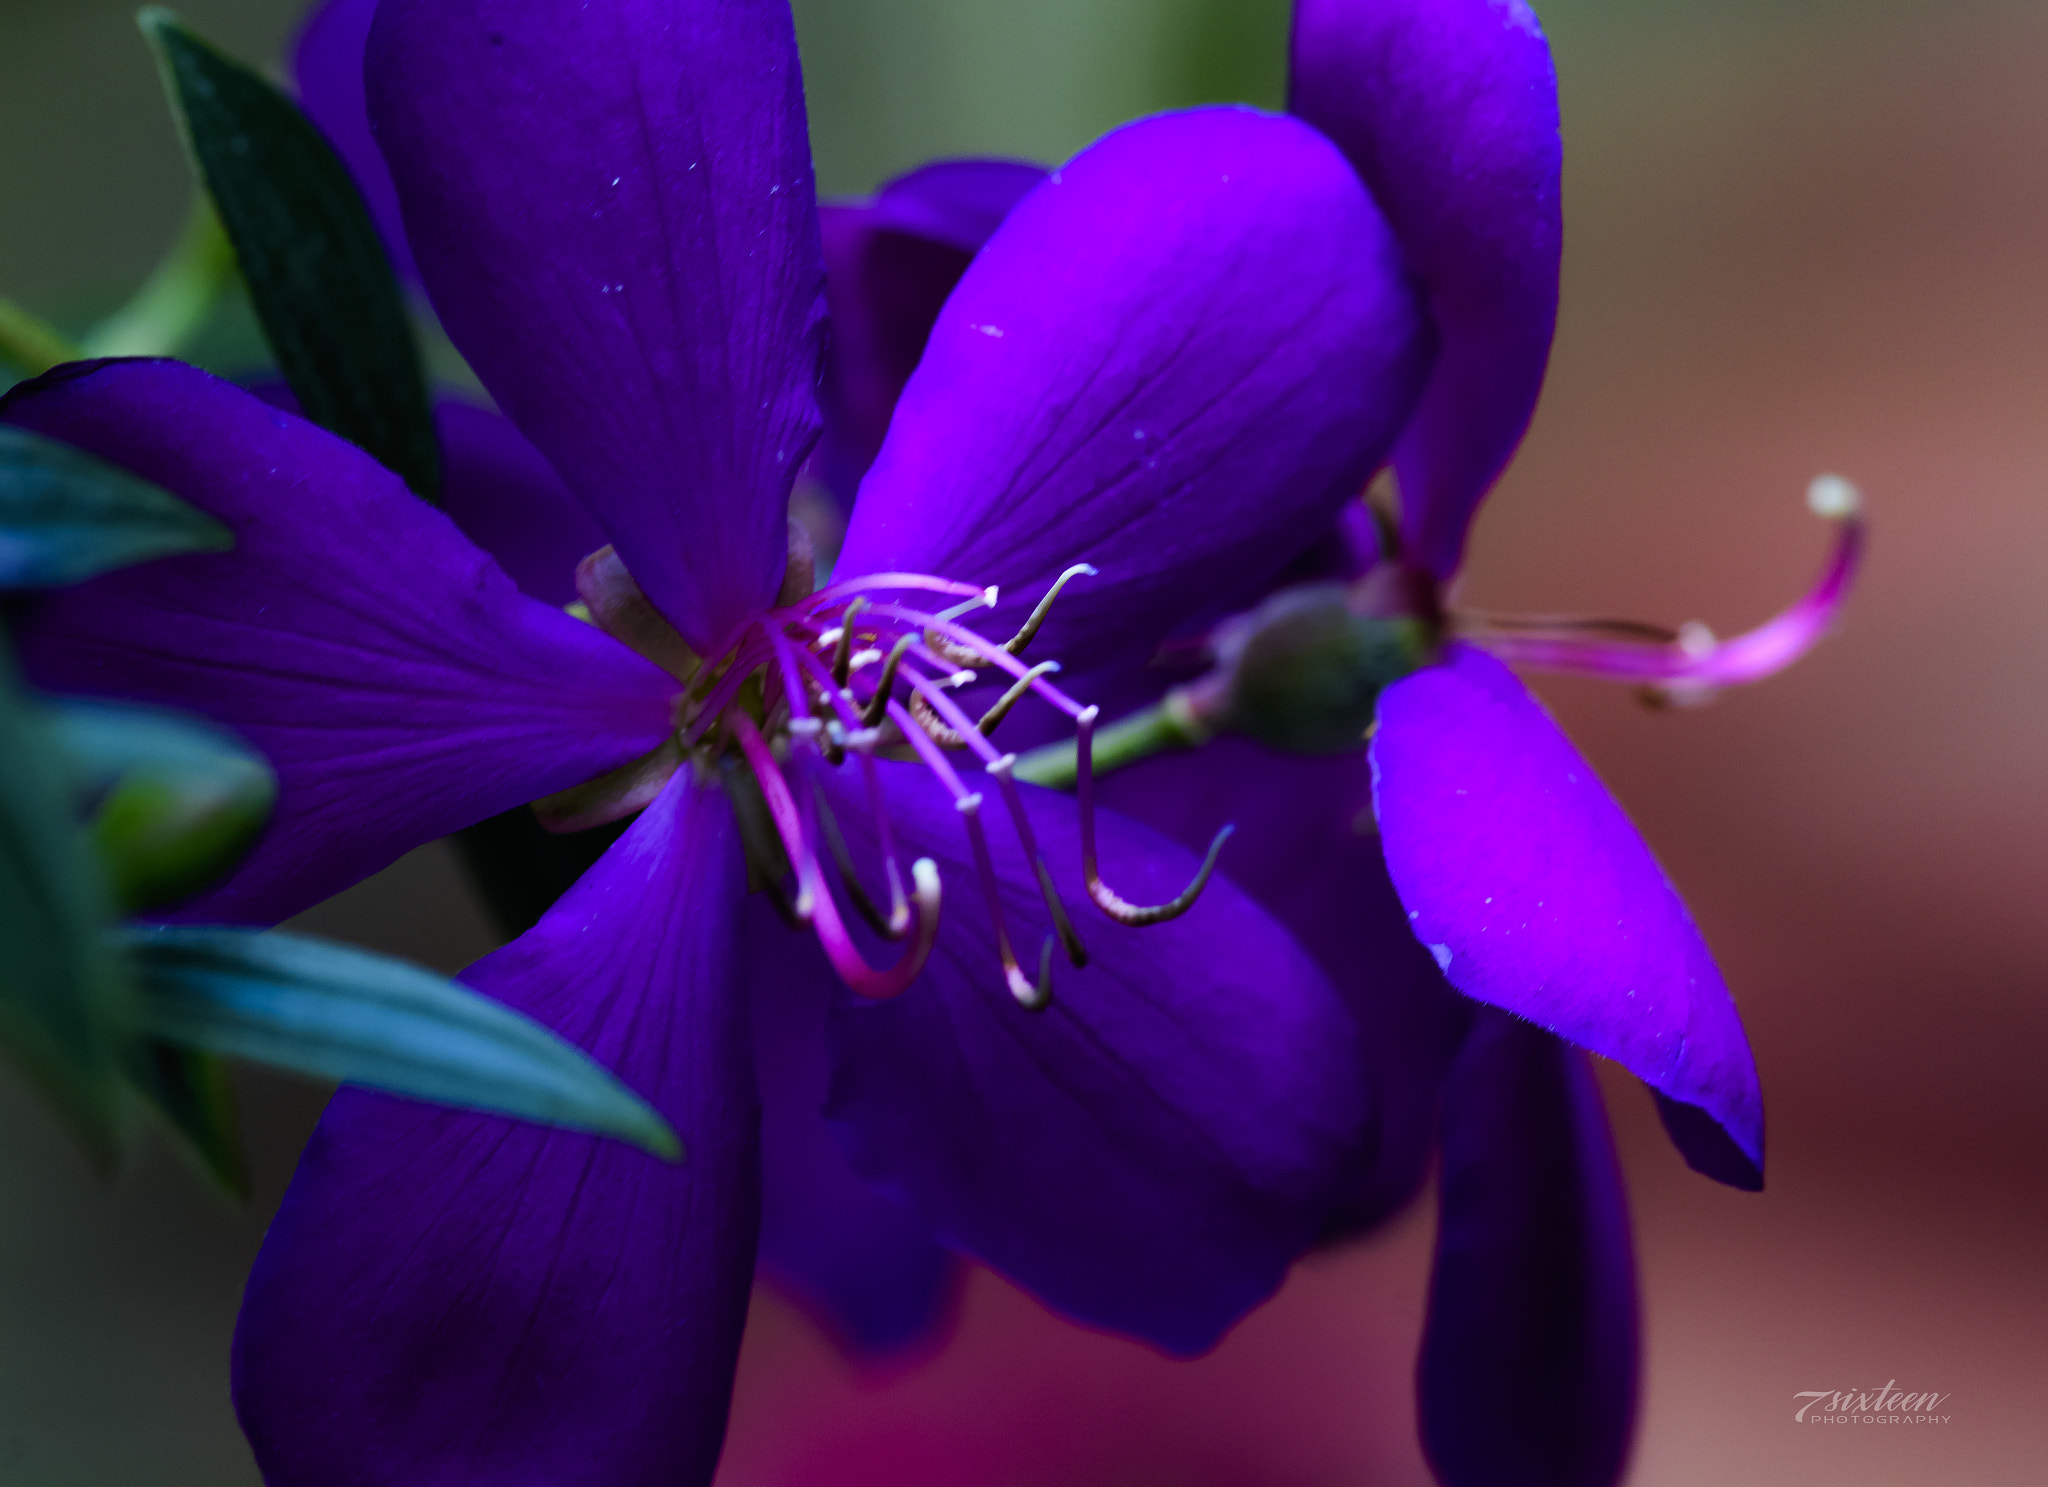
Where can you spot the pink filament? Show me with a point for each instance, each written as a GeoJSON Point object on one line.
{"type": "Point", "coordinates": [838, 945]}
{"type": "Point", "coordinates": [1748, 657]}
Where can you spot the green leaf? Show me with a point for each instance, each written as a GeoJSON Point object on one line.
{"type": "Point", "coordinates": [66, 516]}
{"type": "Point", "coordinates": [341, 1013]}
{"type": "Point", "coordinates": [191, 1091]}
{"type": "Point", "coordinates": [176, 801]}
{"type": "Point", "coordinates": [67, 1007]}
{"type": "Point", "coordinates": [309, 252]}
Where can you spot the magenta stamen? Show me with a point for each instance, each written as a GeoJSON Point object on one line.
{"type": "Point", "coordinates": [1032, 998]}
{"type": "Point", "coordinates": [884, 583]}
{"type": "Point", "coordinates": [993, 654]}
{"type": "Point", "coordinates": [1695, 661]}
{"type": "Point", "coordinates": [815, 896]}
{"type": "Point", "coordinates": [1121, 909]}
{"type": "Point", "coordinates": [862, 742]}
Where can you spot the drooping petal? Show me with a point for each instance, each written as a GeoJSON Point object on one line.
{"type": "Point", "coordinates": [1305, 849]}
{"type": "Point", "coordinates": [1528, 1372]}
{"type": "Point", "coordinates": [509, 501]}
{"type": "Point", "coordinates": [1448, 108]}
{"type": "Point", "coordinates": [1150, 1152]}
{"type": "Point", "coordinates": [1174, 360]}
{"type": "Point", "coordinates": [853, 1254]}
{"type": "Point", "coordinates": [397, 682]}
{"type": "Point", "coordinates": [611, 205]}
{"type": "Point", "coordinates": [327, 64]}
{"type": "Point", "coordinates": [450, 1298]}
{"type": "Point", "coordinates": [1535, 894]}
{"type": "Point", "coordinates": [889, 265]}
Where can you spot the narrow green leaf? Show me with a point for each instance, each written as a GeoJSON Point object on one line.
{"type": "Point", "coordinates": [191, 1091]}
{"type": "Point", "coordinates": [309, 252]}
{"type": "Point", "coordinates": [341, 1013]}
{"type": "Point", "coordinates": [66, 516]}
{"type": "Point", "coordinates": [176, 802]}
{"type": "Point", "coordinates": [66, 1005]}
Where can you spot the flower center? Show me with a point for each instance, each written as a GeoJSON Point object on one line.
{"type": "Point", "coordinates": [862, 669]}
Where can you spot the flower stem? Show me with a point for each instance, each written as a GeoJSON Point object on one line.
{"type": "Point", "coordinates": [29, 343]}
{"type": "Point", "coordinates": [1168, 724]}
{"type": "Point", "coordinates": [177, 298]}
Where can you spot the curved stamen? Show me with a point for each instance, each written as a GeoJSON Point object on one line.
{"type": "Point", "coordinates": [1121, 909]}
{"type": "Point", "coordinates": [1000, 709]}
{"type": "Point", "coordinates": [816, 896]}
{"type": "Point", "coordinates": [881, 583]}
{"type": "Point", "coordinates": [1031, 997]}
{"type": "Point", "coordinates": [842, 652]}
{"type": "Point", "coordinates": [983, 650]}
{"type": "Point", "coordinates": [1070, 938]}
{"type": "Point", "coordinates": [1016, 643]}
{"type": "Point", "coordinates": [1692, 661]}
{"type": "Point", "coordinates": [878, 700]}
{"type": "Point", "coordinates": [862, 742]}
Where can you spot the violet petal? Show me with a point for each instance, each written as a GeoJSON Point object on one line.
{"type": "Point", "coordinates": [1174, 360]}
{"type": "Point", "coordinates": [394, 678]}
{"type": "Point", "coordinates": [1528, 1373]}
{"type": "Point", "coordinates": [889, 265]}
{"type": "Point", "coordinates": [1153, 1150]}
{"type": "Point", "coordinates": [611, 205]}
{"type": "Point", "coordinates": [853, 1255]}
{"type": "Point", "coordinates": [327, 64]}
{"type": "Point", "coordinates": [449, 1298]}
{"type": "Point", "coordinates": [1449, 110]}
{"type": "Point", "coordinates": [509, 501]}
{"type": "Point", "coordinates": [1306, 850]}
{"type": "Point", "coordinates": [1535, 894]}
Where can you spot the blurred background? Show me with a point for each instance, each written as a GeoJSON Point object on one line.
{"type": "Point", "coordinates": [1800, 236]}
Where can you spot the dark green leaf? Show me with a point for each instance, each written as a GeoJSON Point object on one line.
{"type": "Point", "coordinates": [341, 1013]}
{"type": "Point", "coordinates": [309, 252]}
{"type": "Point", "coordinates": [66, 516]}
{"type": "Point", "coordinates": [176, 802]}
{"type": "Point", "coordinates": [192, 1092]}
{"type": "Point", "coordinates": [66, 1005]}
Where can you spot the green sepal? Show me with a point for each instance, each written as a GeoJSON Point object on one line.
{"type": "Point", "coordinates": [67, 1006]}
{"type": "Point", "coordinates": [175, 801]}
{"type": "Point", "coordinates": [191, 1092]}
{"type": "Point", "coordinates": [66, 516]}
{"type": "Point", "coordinates": [315, 267]}
{"type": "Point", "coordinates": [336, 1012]}
{"type": "Point", "coordinates": [1304, 673]}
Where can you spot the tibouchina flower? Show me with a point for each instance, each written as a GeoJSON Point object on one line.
{"type": "Point", "coordinates": [1178, 355]}
{"type": "Point", "coordinates": [1513, 874]}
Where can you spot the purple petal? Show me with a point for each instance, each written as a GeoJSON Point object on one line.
{"type": "Point", "coordinates": [1299, 850]}
{"type": "Point", "coordinates": [327, 63]}
{"type": "Point", "coordinates": [1151, 1152]}
{"type": "Point", "coordinates": [399, 684]}
{"type": "Point", "coordinates": [856, 1257]}
{"type": "Point", "coordinates": [1449, 110]}
{"type": "Point", "coordinates": [1529, 1357]}
{"type": "Point", "coordinates": [1535, 894]}
{"type": "Point", "coordinates": [509, 501]}
{"type": "Point", "coordinates": [889, 265]}
{"type": "Point", "coordinates": [454, 1298]}
{"type": "Point", "coordinates": [611, 205]}
{"type": "Point", "coordinates": [1174, 360]}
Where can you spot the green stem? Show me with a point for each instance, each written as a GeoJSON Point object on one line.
{"type": "Point", "coordinates": [1168, 724]}
{"type": "Point", "coordinates": [31, 344]}
{"type": "Point", "coordinates": [178, 297]}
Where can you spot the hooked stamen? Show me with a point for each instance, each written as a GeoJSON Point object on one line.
{"type": "Point", "coordinates": [1690, 663]}
{"type": "Point", "coordinates": [878, 701]}
{"type": "Point", "coordinates": [1016, 643]}
{"type": "Point", "coordinates": [982, 650]}
{"type": "Point", "coordinates": [1070, 938]}
{"type": "Point", "coordinates": [1031, 997]}
{"type": "Point", "coordinates": [1121, 909]}
{"type": "Point", "coordinates": [813, 893]}
{"type": "Point", "coordinates": [842, 653]}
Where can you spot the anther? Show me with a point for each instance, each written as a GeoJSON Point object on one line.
{"type": "Point", "coordinates": [878, 703]}
{"type": "Point", "coordinates": [1121, 909]}
{"type": "Point", "coordinates": [1016, 643]}
{"type": "Point", "coordinates": [842, 643]}
{"type": "Point", "coordinates": [1011, 698]}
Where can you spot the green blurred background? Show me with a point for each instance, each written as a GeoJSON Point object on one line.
{"type": "Point", "coordinates": [1799, 236]}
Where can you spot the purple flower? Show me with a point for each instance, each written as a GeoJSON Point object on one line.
{"type": "Point", "coordinates": [1477, 849]}
{"type": "Point", "coordinates": [1177, 358]}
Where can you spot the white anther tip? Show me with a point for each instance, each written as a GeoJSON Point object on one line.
{"type": "Point", "coordinates": [1001, 768]}
{"type": "Point", "coordinates": [966, 805]}
{"type": "Point", "coordinates": [990, 594]}
{"type": "Point", "coordinates": [1086, 717]}
{"type": "Point", "coordinates": [1695, 639]}
{"type": "Point", "coordinates": [1833, 498]}
{"type": "Point", "coordinates": [805, 727]}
